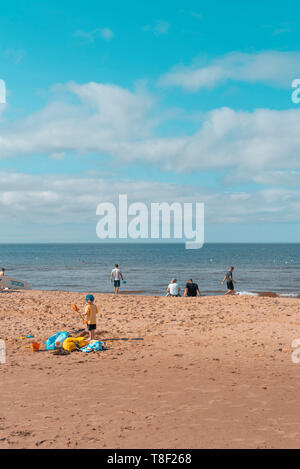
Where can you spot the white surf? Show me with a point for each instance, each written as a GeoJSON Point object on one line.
{"type": "Point", "coordinates": [246, 293]}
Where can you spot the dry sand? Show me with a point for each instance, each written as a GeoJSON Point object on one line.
{"type": "Point", "coordinates": [210, 372]}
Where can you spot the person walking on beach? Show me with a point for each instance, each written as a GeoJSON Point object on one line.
{"type": "Point", "coordinates": [2, 272]}
{"type": "Point", "coordinates": [230, 281]}
{"type": "Point", "coordinates": [191, 289]}
{"type": "Point", "coordinates": [91, 312]}
{"type": "Point", "coordinates": [173, 288]}
{"type": "Point", "coordinates": [116, 276]}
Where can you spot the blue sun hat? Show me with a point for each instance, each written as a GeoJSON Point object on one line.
{"type": "Point", "coordinates": [89, 298]}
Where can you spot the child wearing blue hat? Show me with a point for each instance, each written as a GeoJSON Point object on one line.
{"type": "Point", "coordinates": [91, 312]}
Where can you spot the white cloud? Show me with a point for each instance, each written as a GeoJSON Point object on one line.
{"type": "Point", "coordinates": [105, 116]}
{"type": "Point", "coordinates": [271, 67]}
{"type": "Point", "coordinates": [281, 28]}
{"type": "Point", "coordinates": [106, 34]}
{"type": "Point", "coordinates": [55, 200]}
{"type": "Point", "coordinates": [112, 121]}
{"type": "Point", "coordinates": [58, 156]}
{"type": "Point", "coordinates": [278, 178]}
{"type": "Point", "coordinates": [159, 28]}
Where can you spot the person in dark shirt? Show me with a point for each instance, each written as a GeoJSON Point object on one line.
{"type": "Point", "coordinates": [191, 289]}
{"type": "Point", "coordinates": [230, 281]}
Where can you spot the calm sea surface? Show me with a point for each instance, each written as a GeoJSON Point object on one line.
{"type": "Point", "coordinates": [149, 267]}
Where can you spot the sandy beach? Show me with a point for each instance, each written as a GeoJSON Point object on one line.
{"type": "Point", "coordinates": [210, 372]}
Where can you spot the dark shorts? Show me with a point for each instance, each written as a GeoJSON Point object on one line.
{"type": "Point", "coordinates": [117, 283]}
{"type": "Point", "coordinates": [91, 327]}
{"type": "Point", "coordinates": [230, 286]}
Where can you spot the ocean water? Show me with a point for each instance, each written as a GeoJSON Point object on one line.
{"type": "Point", "coordinates": [148, 268]}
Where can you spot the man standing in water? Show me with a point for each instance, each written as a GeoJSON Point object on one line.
{"type": "Point", "coordinates": [116, 276]}
{"type": "Point", "coordinates": [230, 281]}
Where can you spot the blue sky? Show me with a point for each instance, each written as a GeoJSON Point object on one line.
{"type": "Point", "coordinates": [168, 101]}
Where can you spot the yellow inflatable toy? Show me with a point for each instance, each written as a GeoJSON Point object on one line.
{"type": "Point", "coordinates": [72, 343]}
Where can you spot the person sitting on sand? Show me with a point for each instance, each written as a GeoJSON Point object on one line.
{"type": "Point", "coordinates": [117, 276]}
{"type": "Point", "coordinates": [230, 281]}
{"type": "Point", "coordinates": [173, 288]}
{"type": "Point", "coordinates": [191, 289]}
{"type": "Point", "coordinates": [91, 312]}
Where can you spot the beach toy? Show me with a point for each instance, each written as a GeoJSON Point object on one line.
{"type": "Point", "coordinates": [58, 337]}
{"type": "Point", "coordinates": [75, 308]}
{"type": "Point", "coordinates": [30, 336]}
{"type": "Point", "coordinates": [93, 346]}
{"type": "Point", "coordinates": [35, 346]}
{"type": "Point", "coordinates": [74, 343]}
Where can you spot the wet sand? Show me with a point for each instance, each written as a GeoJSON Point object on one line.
{"type": "Point", "coordinates": [211, 372]}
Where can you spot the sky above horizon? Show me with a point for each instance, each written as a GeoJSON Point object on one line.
{"type": "Point", "coordinates": [163, 101]}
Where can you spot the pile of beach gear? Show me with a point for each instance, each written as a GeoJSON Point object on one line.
{"type": "Point", "coordinates": [62, 341]}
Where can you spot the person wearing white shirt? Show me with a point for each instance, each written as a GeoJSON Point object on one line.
{"type": "Point", "coordinates": [173, 288]}
{"type": "Point", "coordinates": [116, 276]}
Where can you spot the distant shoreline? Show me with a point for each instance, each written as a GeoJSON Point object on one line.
{"type": "Point", "coordinates": [144, 293]}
